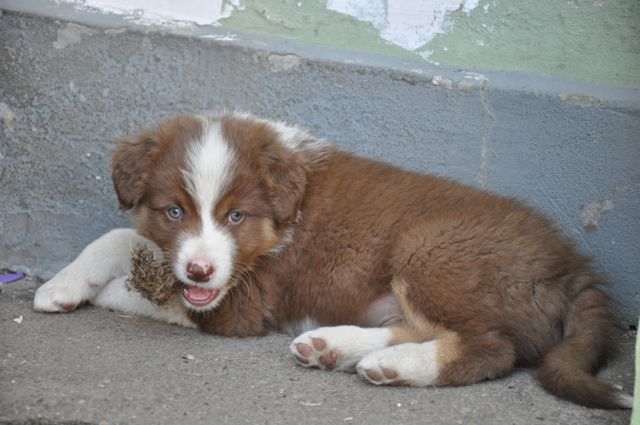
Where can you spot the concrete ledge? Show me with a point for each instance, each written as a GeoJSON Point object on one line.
{"type": "Point", "coordinates": [612, 96]}
{"type": "Point", "coordinates": [69, 91]}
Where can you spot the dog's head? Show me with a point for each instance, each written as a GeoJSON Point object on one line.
{"type": "Point", "coordinates": [215, 193]}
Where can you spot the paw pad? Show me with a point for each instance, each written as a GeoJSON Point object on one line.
{"type": "Point", "coordinates": [337, 347]}
{"type": "Point", "coordinates": [315, 354]}
{"type": "Point", "coordinates": [382, 376]}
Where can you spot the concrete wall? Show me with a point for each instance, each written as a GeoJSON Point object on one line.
{"type": "Point", "coordinates": [68, 91]}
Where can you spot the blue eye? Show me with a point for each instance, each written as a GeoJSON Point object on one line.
{"type": "Point", "coordinates": [174, 213]}
{"type": "Point", "coordinates": [235, 216]}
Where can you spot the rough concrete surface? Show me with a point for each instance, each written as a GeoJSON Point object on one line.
{"type": "Point", "coordinates": [100, 367]}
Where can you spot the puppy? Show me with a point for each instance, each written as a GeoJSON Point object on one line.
{"type": "Point", "coordinates": [415, 280]}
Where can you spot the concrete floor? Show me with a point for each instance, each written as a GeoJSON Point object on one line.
{"type": "Point", "coordinates": [101, 367]}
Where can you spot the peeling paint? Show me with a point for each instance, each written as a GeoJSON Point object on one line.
{"type": "Point", "coordinates": [153, 12]}
{"type": "Point", "coordinates": [405, 23]}
{"type": "Point", "coordinates": [592, 43]}
{"type": "Point", "coordinates": [8, 116]}
{"type": "Point", "coordinates": [571, 39]}
{"type": "Point", "coordinates": [278, 63]}
{"type": "Point", "coordinates": [71, 34]}
{"type": "Point", "coordinates": [590, 214]}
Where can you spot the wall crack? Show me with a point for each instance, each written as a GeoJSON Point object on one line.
{"type": "Point", "coordinates": [486, 129]}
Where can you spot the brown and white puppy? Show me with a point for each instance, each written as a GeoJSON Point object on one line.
{"type": "Point", "coordinates": [415, 280]}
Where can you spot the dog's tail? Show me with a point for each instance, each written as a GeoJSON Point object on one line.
{"type": "Point", "coordinates": [567, 369]}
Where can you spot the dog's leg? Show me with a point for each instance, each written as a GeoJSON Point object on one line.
{"type": "Point", "coordinates": [435, 354]}
{"type": "Point", "coordinates": [101, 261]}
{"type": "Point", "coordinates": [117, 296]}
{"type": "Point", "coordinates": [342, 347]}
{"type": "Point", "coordinates": [401, 356]}
{"type": "Point", "coordinates": [448, 361]}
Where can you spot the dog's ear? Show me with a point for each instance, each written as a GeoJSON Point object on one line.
{"type": "Point", "coordinates": [285, 178]}
{"type": "Point", "coordinates": [128, 168]}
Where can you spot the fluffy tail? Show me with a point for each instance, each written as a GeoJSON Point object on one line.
{"type": "Point", "coordinates": [567, 368]}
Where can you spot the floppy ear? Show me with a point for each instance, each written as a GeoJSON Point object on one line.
{"type": "Point", "coordinates": [285, 178]}
{"type": "Point", "coordinates": [128, 165]}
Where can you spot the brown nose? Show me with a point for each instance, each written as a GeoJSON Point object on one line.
{"type": "Point", "coordinates": [199, 270]}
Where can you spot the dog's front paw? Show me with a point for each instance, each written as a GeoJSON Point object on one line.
{"type": "Point", "coordinates": [63, 293]}
{"type": "Point", "coordinates": [313, 351]}
{"type": "Point", "coordinates": [338, 347]}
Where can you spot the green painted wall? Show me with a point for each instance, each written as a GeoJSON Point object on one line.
{"type": "Point", "coordinates": [310, 22]}
{"type": "Point", "coordinates": [580, 40]}
{"type": "Point", "coordinates": [592, 41]}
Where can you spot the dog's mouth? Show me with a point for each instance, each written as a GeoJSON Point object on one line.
{"type": "Point", "coordinates": [198, 296]}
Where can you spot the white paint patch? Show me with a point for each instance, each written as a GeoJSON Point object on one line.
{"type": "Point", "coordinates": [8, 116]}
{"type": "Point", "coordinates": [71, 34]}
{"type": "Point", "coordinates": [200, 12]}
{"type": "Point", "coordinates": [409, 24]}
{"type": "Point", "coordinates": [590, 214]}
{"type": "Point", "coordinates": [220, 37]}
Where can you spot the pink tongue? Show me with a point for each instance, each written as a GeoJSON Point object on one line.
{"type": "Point", "coordinates": [197, 295]}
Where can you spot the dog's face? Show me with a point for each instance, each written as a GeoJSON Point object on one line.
{"type": "Point", "coordinates": [214, 193]}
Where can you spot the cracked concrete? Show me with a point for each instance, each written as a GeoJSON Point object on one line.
{"type": "Point", "coordinates": [64, 107]}
{"type": "Point", "coordinates": [483, 173]}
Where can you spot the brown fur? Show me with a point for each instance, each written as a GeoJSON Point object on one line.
{"type": "Point", "coordinates": [488, 277]}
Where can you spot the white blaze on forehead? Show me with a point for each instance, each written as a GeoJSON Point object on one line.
{"type": "Point", "coordinates": [209, 166]}
{"type": "Point", "coordinates": [209, 170]}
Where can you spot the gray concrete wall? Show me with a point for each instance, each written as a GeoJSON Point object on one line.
{"type": "Point", "coordinates": [67, 92]}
